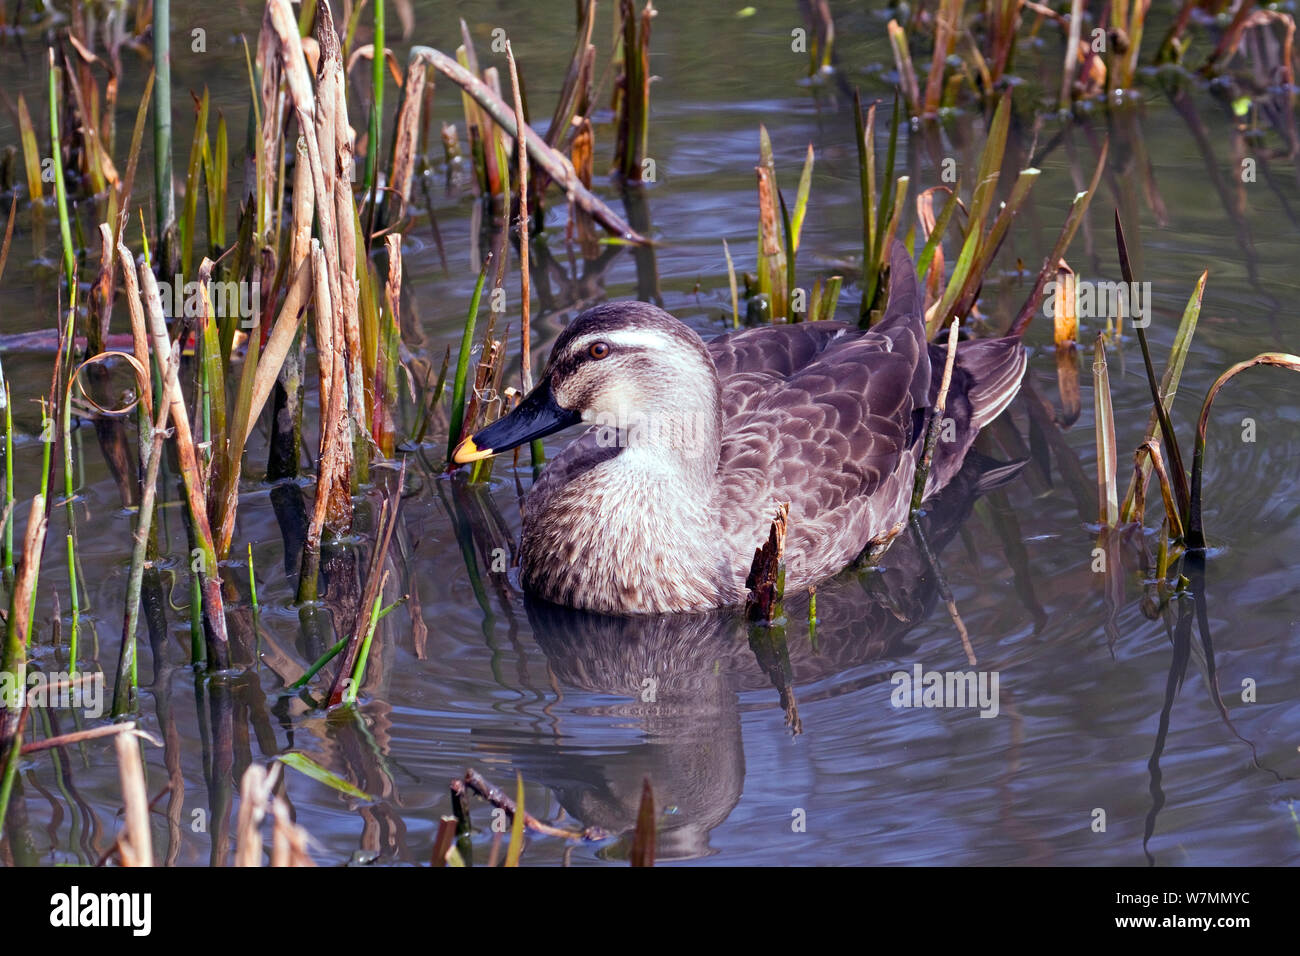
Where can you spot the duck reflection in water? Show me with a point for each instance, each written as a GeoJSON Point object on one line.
{"type": "Point", "coordinates": [683, 679]}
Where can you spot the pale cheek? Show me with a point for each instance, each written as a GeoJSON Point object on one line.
{"type": "Point", "coordinates": [617, 400]}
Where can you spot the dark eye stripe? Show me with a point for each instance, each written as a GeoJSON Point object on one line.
{"type": "Point", "coordinates": [574, 359]}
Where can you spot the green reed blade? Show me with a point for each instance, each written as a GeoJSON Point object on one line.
{"type": "Point", "coordinates": [735, 291]}
{"type": "Point", "coordinates": [60, 191]}
{"type": "Point", "coordinates": [801, 202]}
{"type": "Point", "coordinates": [462, 362]}
{"type": "Point", "coordinates": [516, 848]}
{"type": "Point", "coordinates": [376, 103]}
{"type": "Point", "coordinates": [31, 151]}
{"type": "Point", "coordinates": [1166, 423]}
{"type": "Point", "coordinates": [310, 768]}
{"type": "Point", "coordinates": [1168, 385]}
{"type": "Point", "coordinates": [936, 234]}
{"type": "Point", "coordinates": [363, 655]}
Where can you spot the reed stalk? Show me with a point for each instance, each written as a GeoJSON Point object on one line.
{"type": "Point", "coordinates": [1166, 424]}
{"type": "Point", "coordinates": [1146, 458]}
{"type": "Point", "coordinates": [903, 62]}
{"type": "Point", "coordinates": [208, 576]}
{"type": "Point", "coordinates": [65, 418]}
{"type": "Point", "coordinates": [516, 848]}
{"type": "Point", "coordinates": [634, 90]}
{"type": "Point", "coordinates": [126, 684]}
{"type": "Point", "coordinates": [18, 635]}
{"type": "Point", "coordinates": [1104, 420]}
{"type": "Point", "coordinates": [60, 191]}
{"type": "Point", "coordinates": [1050, 265]}
{"type": "Point", "coordinates": [7, 555]}
{"type": "Point", "coordinates": [193, 170]}
{"type": "Point", "coordinates": [134, 844]}
{"type": "Point", "coordinates": [376, 106]}
{"type": "Point", "coordinates": [164, 193]}
{"type": "Point", "coordinates": [1071, 56]}
{"type": "Point", "coordinates": [947, 27]}
{"type": "Point", "coordinates": [383, 407]}
{"type": "Point", "coordinates": [773, 275]}
{"type": "Point", "coordinates": [363, 654]}
{"type": "Point", "coordinates": [880, 208]}
{"type": "Point", "coordinates": [536, 451]}
{"type": "Point", "coordinates": [405, 140]}
{"type": "Point", "coordinates": [355, 653]}
{"type": "Point", "coordinates": [979, 247]}
{"type": "Point", "coordinates": [31, 152]}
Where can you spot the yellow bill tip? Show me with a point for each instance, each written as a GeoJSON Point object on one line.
{"type": "Point", "coordinates": [467, 452]}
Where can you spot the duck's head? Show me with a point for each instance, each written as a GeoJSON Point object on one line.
{"type": "Point", "coordinates": [626, 366]}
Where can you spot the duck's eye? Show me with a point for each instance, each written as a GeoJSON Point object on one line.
{"type": "Point", "coordinates": [598, 350]}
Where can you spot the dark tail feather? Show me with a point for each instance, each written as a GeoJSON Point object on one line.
{"type": "Point", "coordinates": [904, 320]}
{"type": "Point", "coordinates": [905, 300]}
{"type": "Point", "coordinates": [993, 473]}
{"type": "Point", "coordinates": [996, 367]}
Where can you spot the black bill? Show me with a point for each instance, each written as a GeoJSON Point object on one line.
{"type": "Point", "coordinates": [536, 416]}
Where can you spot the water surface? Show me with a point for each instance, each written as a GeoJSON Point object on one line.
{"type": "Point", "coordinates": [469, 674]}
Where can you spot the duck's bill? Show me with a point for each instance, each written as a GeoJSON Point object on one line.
{"type": "Point", "coordinates": [536, 416]}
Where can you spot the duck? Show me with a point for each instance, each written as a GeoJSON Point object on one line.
{"type": "Point", "coordinates": [691, 448]}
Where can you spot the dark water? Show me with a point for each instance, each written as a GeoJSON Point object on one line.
{"type": "Point", "coordinates": [468, 674]}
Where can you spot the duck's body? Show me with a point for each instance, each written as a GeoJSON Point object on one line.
{"type": "Point", "coordinates": [659, 507]}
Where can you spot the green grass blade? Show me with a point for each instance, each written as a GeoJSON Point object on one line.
{"type": "Point", "coordinates": [60, 190]}
{"type": "Point", "coordinates": [936, 234]}
{"type": "Point", "coordinates": [1168, 384]}
{"type": "Point", "coordinates": [31, 152]}
{"type": "Point", "coordinates": [516, 849]}
{"type": "Point", "coordinates": [1166, 423]}
{"type": "Point", "coordinates": [310, 768]}
{"type": "Point", "coordinates": [462, 362]}
{"type": "Point", "coordinates": [801, 201]}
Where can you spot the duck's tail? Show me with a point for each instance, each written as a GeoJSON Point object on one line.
{"type": "Point", "coordinates": [987, 371]}
{"type": "Point", "coordinates": [985, 378]}
{"type": "Point", "coordinates": [904, 321]}
{"type": "Point", "coordinates": [994, 368]}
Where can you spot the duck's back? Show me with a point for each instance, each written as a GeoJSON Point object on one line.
{"type": "Point", "coordinates": [828, 418]}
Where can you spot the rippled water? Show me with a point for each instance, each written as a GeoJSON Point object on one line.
{"type": "Point", "coordinates": [471, 675]}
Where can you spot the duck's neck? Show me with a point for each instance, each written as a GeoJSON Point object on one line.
{"type": "Point", "coordinates": [638, 531]}
{"type": "Point", "coordinates": [677, 446]}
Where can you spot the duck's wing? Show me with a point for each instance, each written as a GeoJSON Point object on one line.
{"type": "Point", "coordinates": [752, 362]}
{"type": "Point", "coordinates": [824, 417]}
{"type": "Point", "coordinates": [830, 432]}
